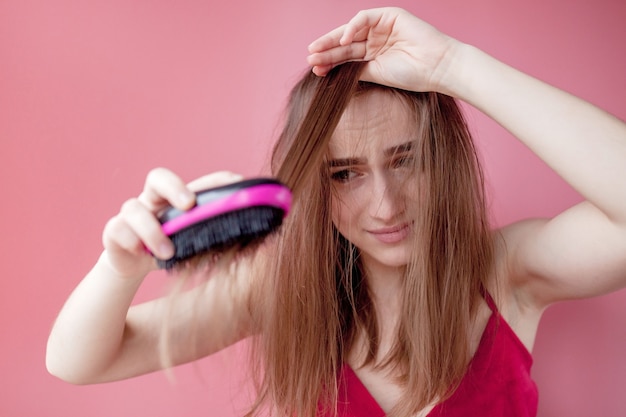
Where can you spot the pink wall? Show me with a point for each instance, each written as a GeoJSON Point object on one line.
{"type": "Point", "coordinates": [95, 93]}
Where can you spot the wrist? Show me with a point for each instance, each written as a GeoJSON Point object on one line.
{"type": "Point", "coordinates": [106, 267]}
{"type": "Point", "coordinates": [452, 74]}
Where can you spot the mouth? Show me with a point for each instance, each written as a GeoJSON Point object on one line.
{"type": "Point", "coordinates": [392, 234]}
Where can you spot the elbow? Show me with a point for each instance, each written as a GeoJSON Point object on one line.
{"type": "Point", "coordinates": [56, 368]}
{"type": "Point", "coordinates": [60, 366]}
{"type": "Point", "coordinates": [66, 375]}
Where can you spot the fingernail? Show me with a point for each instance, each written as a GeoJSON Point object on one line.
{"type": "Point", "coordinates": [166, 250]}
{"type": "Point", "coordinates": [185, 198]}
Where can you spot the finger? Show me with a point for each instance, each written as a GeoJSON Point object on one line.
{"type": "Point", "coordinates": [118, 236]}
{"type": "Point", "coordinates": [355, 30]}
{"type": "Point", "coordinates": [327, 41]}
{"type": "Point", "coordinates": [359, 27]}
{"type": "Point", "coordinates": [215, 179]}
{"type": "Point", "coordinates": [359, 24]}
{"type": "Point", "coordinates": [162, 188]}
{"type": "Point", "coordinates": [321, 70]}
{"type": "Point", "coordinates": [139, 227]}
{"type": "Point", "coordinates": [338, 55]}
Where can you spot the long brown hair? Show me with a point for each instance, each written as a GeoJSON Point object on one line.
{"type": "Point", "coordinates": [312, 299]}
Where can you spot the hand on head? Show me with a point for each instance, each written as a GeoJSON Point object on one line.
{"type": "Point", "coordinates": [402, 51]}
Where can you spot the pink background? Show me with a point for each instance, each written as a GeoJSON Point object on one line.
{"type": "Point", "coordinates": [95, 93]}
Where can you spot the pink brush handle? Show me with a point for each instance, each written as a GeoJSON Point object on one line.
{"type": "Point", "coordinates": [274, 195]}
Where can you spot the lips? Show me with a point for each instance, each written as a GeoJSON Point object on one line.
{"type": "Point", "coordinates": [392, 234]}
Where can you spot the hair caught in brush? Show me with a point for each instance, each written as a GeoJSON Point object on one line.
{"type": "Point", "coordinates": [230, 218]}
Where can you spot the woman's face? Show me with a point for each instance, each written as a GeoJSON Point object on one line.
{"type": "Point", "coordinates": [373, 173]}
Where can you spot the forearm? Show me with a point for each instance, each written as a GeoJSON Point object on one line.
{"type": "Point", "coordinates": [89, 332]}
{"type": "Point", "coordinates": [582, 143]}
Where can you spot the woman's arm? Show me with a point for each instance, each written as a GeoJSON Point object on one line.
{"type": "Point", "coordinates": [579, 253]}
{"type": "Point", "coordinates": [99, 337]}
{"type": "Point", "coordinates": [582, 251]}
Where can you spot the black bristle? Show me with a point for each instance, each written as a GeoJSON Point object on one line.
{"type": "Point", "coordinates": [238, 228]}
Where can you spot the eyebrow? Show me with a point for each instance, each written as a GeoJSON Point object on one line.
{"type": "Point", "coordinates": [389, 152]}
{"type": "Point", "coordinates": [400, 149]}
{"type": "Point", "coordinates": [345, 162]}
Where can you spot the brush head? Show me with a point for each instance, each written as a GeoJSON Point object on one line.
{"type": "Point", "coordinates": [233, 216]}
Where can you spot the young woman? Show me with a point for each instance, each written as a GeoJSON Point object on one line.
{"type": "Point", "coordinates": [385, 290]}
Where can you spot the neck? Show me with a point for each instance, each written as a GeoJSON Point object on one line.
{"type": "Point", "coordinates": [385, 285]}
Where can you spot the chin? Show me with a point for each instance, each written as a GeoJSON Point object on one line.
{"type": "Point", "coordinates": [399, 259]}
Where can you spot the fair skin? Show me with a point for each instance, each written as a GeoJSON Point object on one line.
{"type": "Point", "coordinates": [368, 156]}
{"type": "Point", "coordinates": [579, 253]}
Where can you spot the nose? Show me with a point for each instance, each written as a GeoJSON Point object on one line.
{"type": "Point", "coordinates": [386, 201]}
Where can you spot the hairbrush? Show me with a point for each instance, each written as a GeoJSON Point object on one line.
{"type": "Point", "coordinates": [236, 215]}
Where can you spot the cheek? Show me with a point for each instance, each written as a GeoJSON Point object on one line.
{"type": "Point", "coordinates": [343, 211]}
{"type": "Point", "coordinates": [415, 193]}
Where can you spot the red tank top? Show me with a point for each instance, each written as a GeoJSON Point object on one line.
{"type": "Point", "coordinates": [497, 382]}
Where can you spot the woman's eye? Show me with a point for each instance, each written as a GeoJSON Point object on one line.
{"type": "Point", "coordinates": [344, 175]}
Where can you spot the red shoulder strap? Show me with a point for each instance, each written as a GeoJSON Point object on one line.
{"type": "Point", "coordinates": [489, 300]}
